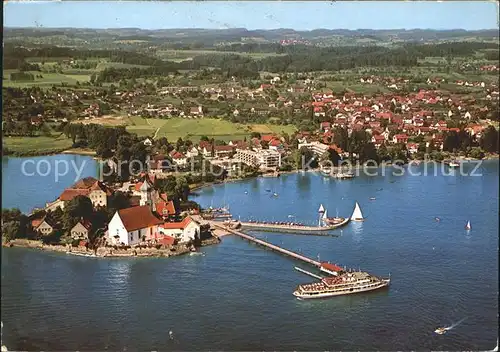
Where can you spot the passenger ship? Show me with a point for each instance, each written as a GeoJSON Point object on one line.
{"type": "Point", "coordinates": [343, 284]}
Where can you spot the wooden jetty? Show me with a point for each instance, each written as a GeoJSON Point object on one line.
{"type": "Point", "coordinates": [270, 246]}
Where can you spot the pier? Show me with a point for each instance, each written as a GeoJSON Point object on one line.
{"type": "Point", "coordinates": [270, 245]}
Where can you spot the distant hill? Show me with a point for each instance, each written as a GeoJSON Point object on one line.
{"type": "Point", "coordinates": [210, 37]}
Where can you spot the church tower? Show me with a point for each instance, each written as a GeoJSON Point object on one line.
{"type": "Point", "coordinates": [148, 194]}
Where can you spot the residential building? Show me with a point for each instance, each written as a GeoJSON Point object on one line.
{"type": "Point", "coordinates": [89, 187]}
{"type": "Point", "coordinates": [400, 138]}
{"type": "Point", "coordinates": [317, 148]}
{"type": "Point", "coordinates": [81, 230]}
{"type": "Point", "coordinates": [132, 226]}
{"type": "Point", "coordinates": [223, 151]}
{"type": "Point", "coordinates": [43, 226]}
{"type": "Point", "coordinates": [183, 231]}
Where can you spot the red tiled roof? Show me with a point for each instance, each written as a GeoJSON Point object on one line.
{"type": "Point", "coordinates": [166, 240]}
{"type": "Point", "coordinates": [275, 143]}
{"type": "Point", "coordinates": [136, 218]}
{"type": "Point", "coordinates": [84, 183]}
{"type": "Point", "coordinates": [267, 137]}
{"type": "Point", "coordinates": [69, 194]}
{"type": "Point", "coordinates": [331, 267]}
{"type": "Point", "coordinates": [177, 225]}
{"type": "Point", "coordinates": [223, 148]}
{"type": "Point", "coordinates": [165, 208]}
{"type": "Point", "coordinates": [36, 222]}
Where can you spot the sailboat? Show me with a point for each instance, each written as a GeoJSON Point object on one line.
{"type": "Point", "coordinates": [468, 227]}
{"type": "Point", "coordinates": [357, 215]}
{"type": "Point", "coordinates": [332, 221]}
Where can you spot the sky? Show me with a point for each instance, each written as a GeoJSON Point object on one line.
{"type": "Point", "coordinates": [470, 15]}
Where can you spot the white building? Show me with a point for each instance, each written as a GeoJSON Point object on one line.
{"type": "Point", "coordinates": [317, 148]}
{"type": "Point", "coordinates": [184, 231]}
{"type": "Point", "coordinates": [132, 226]}
{"type": "Point", "coordinates": [264, 158]}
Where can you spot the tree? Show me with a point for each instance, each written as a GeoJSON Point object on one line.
{"type": "Point", "coordinates": [181, 189]}
{"type": "Point", "coordinates": [204, 138]}
{"type": "Point", "coordinates": [476, 153]}
{"type": "Point", "coordinates": [369, 152]}
{"type": "Point", "coordinates": [10, 230]}
{"type": "Point", "coordinates": [78, 208]}
{"type": "Point", "coordinates": [255, 135]}
{"type": "Point", "coordinates": [118, 200]}
{"type": "Point", "coordinates": [304, 158]}
{"type": "Point", "coordinates": [340, 137]}
{"type": "Point", "coordinates": [489, 140]}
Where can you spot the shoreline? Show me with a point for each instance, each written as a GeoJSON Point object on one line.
{"type": "Point", "coordinates": [110, 251]}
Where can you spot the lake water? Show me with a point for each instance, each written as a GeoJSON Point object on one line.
{"type": "Point", "coordinates": [32, 182]}
{"type": "Point", "coordinates": [239, 296]}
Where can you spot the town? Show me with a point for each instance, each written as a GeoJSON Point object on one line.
{"type": "Point", "coordinates": [165, 127]}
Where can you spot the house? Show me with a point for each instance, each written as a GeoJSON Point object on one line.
{"type": "Point", "coordinates": [43, 226]}
{"type": "Point", "coordinates": [191, 153]}
{"type": "Point", "coordinates": [81, 230]}
{"type": "Point", "coordinates": [378, 140]}
{"type": "Point", "coordinates": [165, 208]}
{"type": "Point", "coordinates": [325, 126]}
{"type": "Point", "coordinates": [400, 138]}
{"type": "Point", "coordinates": [147, 142]}
{"type": "Point", "coordinates": [196, 111]}
{"type": "Point", "coordinates": [184, 231]}
{"type": "Point", "coordinates": [89, 187]}
{"type": "Point", "coordinates": [178, 158]}
{"type": "Point", "coordinates": [412, 147]}
{"type": "Point", "coordinates": [133, 225]}
{"type": "Point", "coordinates": [223, 151]}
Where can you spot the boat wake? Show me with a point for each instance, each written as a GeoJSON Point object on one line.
{"type": "Point", "coordinates": [448, 328]}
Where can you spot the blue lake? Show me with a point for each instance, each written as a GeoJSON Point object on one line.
{"type": "Point", "coordinates": [33, 181]}
{"type": "Point", "coordinates": [239, 296]}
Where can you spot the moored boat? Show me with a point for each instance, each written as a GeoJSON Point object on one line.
{"type": "Point", "coordinates": [344, 283]}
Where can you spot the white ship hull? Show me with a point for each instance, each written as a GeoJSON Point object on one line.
{"type": "Point", "coordinates": [381, 284]}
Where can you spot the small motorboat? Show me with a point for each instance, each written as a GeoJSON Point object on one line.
{"type": "Point", "coordinates": [268, 190]}
{"type": "Point", "coordinates": [454, 164]}
{"type": "Point", "coordinates": [468, 227]}
{"type": "Point", "coordinates": [437, 219]}
{"type": "Point", "coordinates": [440, 331]}
{"type": "Point", "coordinates": [373, 198]}
{"type": "Point", "coordinates": [275, 194]}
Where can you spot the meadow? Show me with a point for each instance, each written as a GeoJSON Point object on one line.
{"type": "Point", "coordinates": [37, 145]}
{"type": "Point", "coordinates": [193, 129]}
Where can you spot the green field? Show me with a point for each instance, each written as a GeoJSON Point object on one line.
{"type": "Point", "coordinates": [48, 79]}
{"type": "Point", "coordinates": [37, 145]}
{"type": "Point", "coordinates": [180, 55]}
{"type": "Point", "coordinates": [195, 128]}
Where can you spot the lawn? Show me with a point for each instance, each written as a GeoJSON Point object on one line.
{"type": "Point", "coordinates": [37, 145]}
{"type": "Point", "coordinates": [195, 128]}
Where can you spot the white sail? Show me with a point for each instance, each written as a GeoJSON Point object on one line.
{"type": "Point", "coordinates": [357, 215]}
{"type": "Point", "coordinates": [468, 225]}
{"type": "Point", "coordinates": [321, 209]}
{"type": "Point", "coordinates": [324, 215]}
